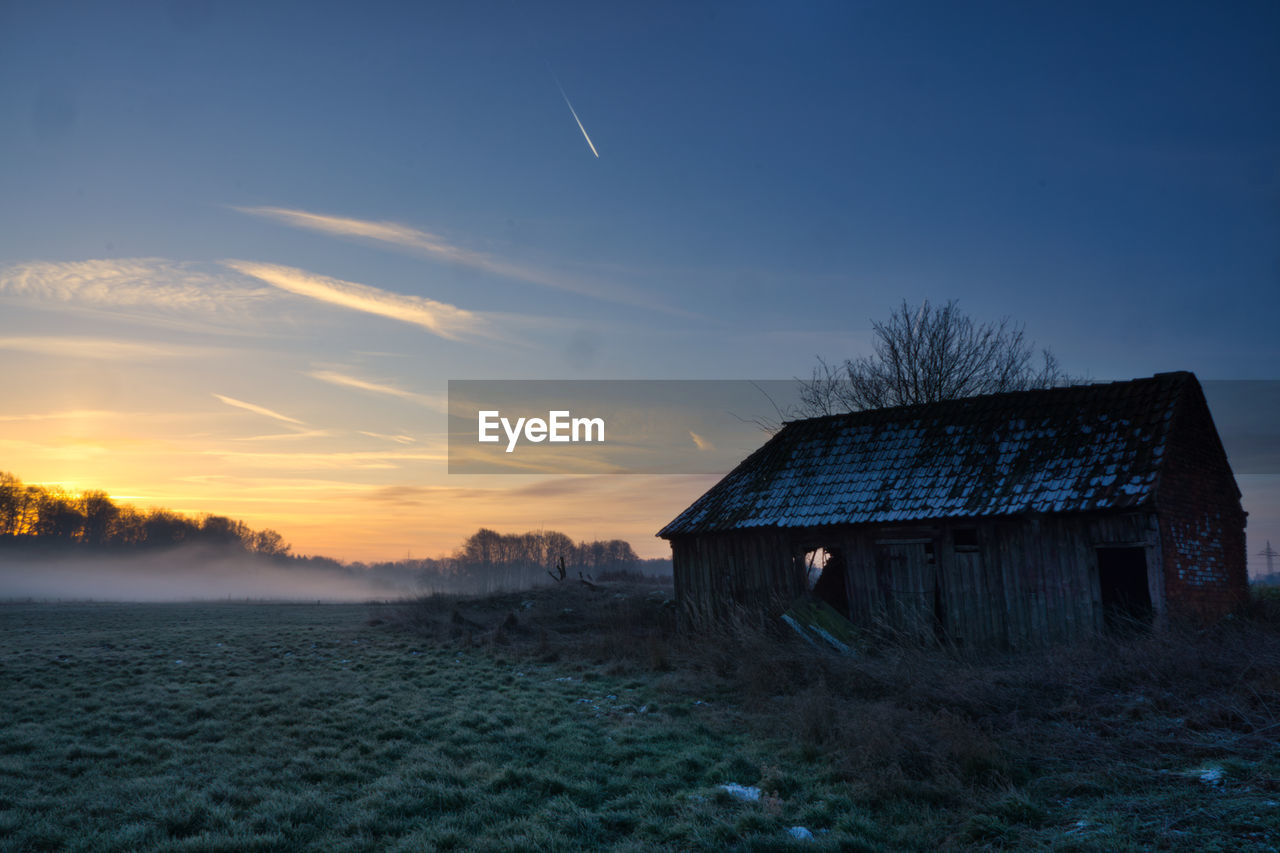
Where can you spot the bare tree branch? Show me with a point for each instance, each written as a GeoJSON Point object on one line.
{"type": "Point", "coordinates": [925, 354]}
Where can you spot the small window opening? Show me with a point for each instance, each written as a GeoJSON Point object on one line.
{"type": "Point", "coordinates": [965, 539]}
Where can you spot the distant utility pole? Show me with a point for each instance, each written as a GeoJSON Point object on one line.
{"type": "Point", "coordinates": [1270, 553]}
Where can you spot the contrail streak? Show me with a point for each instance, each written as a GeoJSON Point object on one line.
{"type": "Point", "coordinates": [575, 117]}
{"type": "Point", "coordinates": [258, 410]}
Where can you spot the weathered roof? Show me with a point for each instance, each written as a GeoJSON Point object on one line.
{"type": "Point", "coordinates": [1079, 448]}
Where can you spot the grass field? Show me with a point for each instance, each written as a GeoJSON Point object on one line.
{"type": "Point", "coordinates": [353, 727]}
{"type": "Point", "coordinates": [270, 727]}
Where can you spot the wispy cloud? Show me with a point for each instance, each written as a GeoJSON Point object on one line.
{"type": "Point", "coordinates": [447, 321]}
{"type": "Point", "coordinates": [700, 442]}
{"type": "Point", "coordinates": [289, 436]}
{"type": "Point", "coordinates": [274, 487]}
{"type": "Point", "coordinates": [435, 401]}
{"type": "Point", "coordinates": [68, 415]}
{"type": "Point", "coordinates": [398, 439]}
{"type": "Point", "coordinates": [100, 348]}
{"type": "Point", "coordinates": [70, 450]}
{"type": "Point", "coordinates": [154, 283]}
{"type": "Point", "coordinates": [259, 410]}
{"type": "Point", "coordinates": [337, 460]}
{"type": "Point", "coordinates": [434, 246]}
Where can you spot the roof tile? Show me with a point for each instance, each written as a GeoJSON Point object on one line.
{"type": "Point", "coordinates": [1085, 447]}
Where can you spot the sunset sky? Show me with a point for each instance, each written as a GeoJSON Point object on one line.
{"type": "Point", "coordinates": [244, 246]}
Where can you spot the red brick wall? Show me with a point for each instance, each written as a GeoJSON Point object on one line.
{"type": "Point", "coordinates": [1201, 521]}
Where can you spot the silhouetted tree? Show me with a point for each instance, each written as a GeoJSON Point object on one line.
{"type": "Point", "coordinates": [51, 516]}
{"type": "Point", "coordinates": [926, 354]}
{"type": "Point", "coordinates": [128, 528]}
{"type": "Point", "coordinates": [163, 527]}
{"type": "Point", "coordinates": [269, 543]}
{"type": "Point", "coordinates": [489, 560]}
{"type": "Point", "coordinates": [99, 514]}
{"type": "Point", "coordinates": [57, 516]}
{"type": "Point", "coordinates": [220, 530]}
{"type": "Point", "coordinates": [11, 499]}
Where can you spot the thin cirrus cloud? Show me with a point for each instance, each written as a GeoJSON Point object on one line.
{"type": "Point", "coordinates": [398, 439]}
{"type": "Point", "coordinates": [99, 348]}
{"type": "Point", "coordinates": [68, 415]}
{"type": "Point", "coordinates": [337, 460]}
{"type": "Point", "coordinates": [333, 377]}
{"type": "Point", "coordinates": [434, 246]}
{"type": "Point", "coordinates": [151, 283]}
{"type": "Point", "coordinates": [289, 436]}
{"type": "Point", "coordinates": [173, 288]}
{"type": "Point", "coordinates": [259, 410]}
{"type": "Point", "coordinates": [447, 321]}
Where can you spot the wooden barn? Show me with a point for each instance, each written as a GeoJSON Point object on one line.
{"type": "Point", "coordinates": [1009, 520]}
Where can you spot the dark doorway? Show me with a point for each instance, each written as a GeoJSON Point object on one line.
{"type": "Point", "coordinates": [832, 585]}
{"type": "Point", "coordinates": [1122, 575]}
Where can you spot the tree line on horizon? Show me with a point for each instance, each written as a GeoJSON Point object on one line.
{"type": "Point", "coordinates": [39, 515]}
{"type": "Point", "coordinates": [56, 522]}
{"type": "Point", "coordinates": [489, 561]}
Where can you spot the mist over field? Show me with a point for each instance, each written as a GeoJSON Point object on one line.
{"type": "Point", "coordinates": [181, 574]}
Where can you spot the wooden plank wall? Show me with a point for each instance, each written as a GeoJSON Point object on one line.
{"type": "Point", "coordinates": [1031, 581]}
{"type": "Point", "coordinates": [973, 594]}
{"type": "Point", "coordinates": [867, 604]}
{"type": "Point", "coordinates": [720, 575]}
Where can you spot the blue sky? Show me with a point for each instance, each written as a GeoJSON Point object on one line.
{"type": "Point", "coordinates": [771, 177]}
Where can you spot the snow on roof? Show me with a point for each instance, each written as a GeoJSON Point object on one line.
{"type": "Point", "coordinates": [1079, 448]}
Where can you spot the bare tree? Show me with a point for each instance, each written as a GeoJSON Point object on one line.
{"type": "Point", "coordinates": [268, 543]}
{"type": "Point", "coordinates": [927, 354]}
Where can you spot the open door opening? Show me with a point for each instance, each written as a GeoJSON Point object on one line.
{"type": "Point", "coordinates": [1126, 599]}
{"type": "Point", "coordinates": [832, 584]}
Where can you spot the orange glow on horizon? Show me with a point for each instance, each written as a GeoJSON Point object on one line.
{"type": "Point", "coordinates": [354, 521]}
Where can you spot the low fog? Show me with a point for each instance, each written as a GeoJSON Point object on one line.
{"type": "Point", "coordinates": [183, 574]}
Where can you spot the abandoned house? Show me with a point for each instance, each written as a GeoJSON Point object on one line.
{"type": "Point", "coordinates": [1011, 520]}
